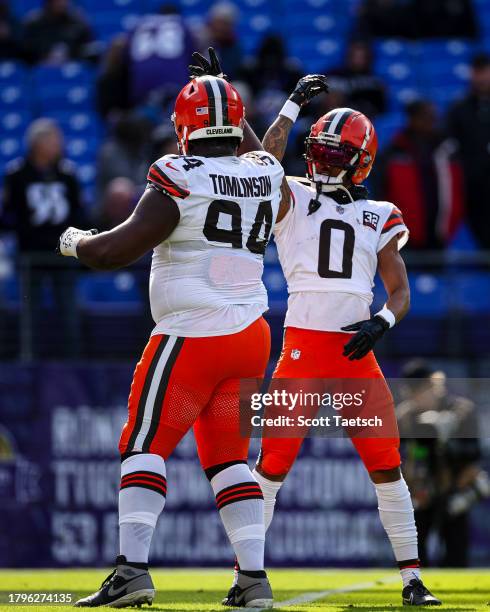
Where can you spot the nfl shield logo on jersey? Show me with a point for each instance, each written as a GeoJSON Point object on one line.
{"type": "Point", "coordinates": [295, 354]}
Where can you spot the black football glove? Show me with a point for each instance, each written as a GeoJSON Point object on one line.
{"type": "Point", "coordinates": [204, 67]}
{"type": "Point", "coordinates": [368, 333]}
{"type": "Point", "coordinates": [308, 87]}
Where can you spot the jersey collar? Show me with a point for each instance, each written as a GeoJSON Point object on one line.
{"type": "Point", "coordinates": [340, 196]}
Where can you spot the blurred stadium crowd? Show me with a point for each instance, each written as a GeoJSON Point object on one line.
{"type": "Point", "coordinates": [96, 80]}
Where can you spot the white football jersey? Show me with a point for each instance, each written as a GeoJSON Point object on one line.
{"type": "Point", "coordinates": [206, 278]}
{"type": "Point", "coordinates": [330, 257]}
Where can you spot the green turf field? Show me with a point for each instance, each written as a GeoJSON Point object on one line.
{"type": "Point", "coordinates": [332, 590]}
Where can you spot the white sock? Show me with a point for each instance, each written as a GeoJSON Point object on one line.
{"type": "Point", "coordinates": [409, 573]}
{"type": "Point", "coordinates": [141, 500]}
{"type": "Point", "coordinates": [241, 508]}
{"type": "Point", "coordinates": [396, 514]}
{"type": "Point", "coordinates": [270, 489]}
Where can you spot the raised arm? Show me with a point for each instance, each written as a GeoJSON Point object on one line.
{"type": "Point", "coordinates": [153, 220]}
{"type": "Point", "coordinates": [276, 137]}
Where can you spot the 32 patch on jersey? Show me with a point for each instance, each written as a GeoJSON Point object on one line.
{"type": "Point", "coordinates": [370, 219]}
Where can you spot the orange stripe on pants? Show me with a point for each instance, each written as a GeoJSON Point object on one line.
{"type": "Point", "coordinates": [202, 391]}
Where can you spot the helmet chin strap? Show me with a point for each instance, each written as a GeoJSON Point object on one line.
{"type": "Point", "coordinates": [325, 188]}
{"type": "Point", "coordinates": [333, 183]}
{"type": "Point", "coordinates": [315, 203]}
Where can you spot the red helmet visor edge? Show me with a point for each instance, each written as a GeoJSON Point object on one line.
{"type": "Point", "coordinates": [324, 155]}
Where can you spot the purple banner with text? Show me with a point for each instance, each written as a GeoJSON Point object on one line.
{"type": "Point", "coordinates": [59, 480]}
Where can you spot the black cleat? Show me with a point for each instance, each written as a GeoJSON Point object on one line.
{"type": "Point", "coordinates": [249, 592]}
{"type": "Point", "coordinates": [229, 598]}
{"type": "Point", "coordinates": [126, 586]}
{"type": "Point", "coordinates": [416, 594]}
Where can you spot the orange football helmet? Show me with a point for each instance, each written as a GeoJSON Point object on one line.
{"type": "Point", "coordinates": [343, 139]}
{"type": "Point", "coordinates": [207, 107]}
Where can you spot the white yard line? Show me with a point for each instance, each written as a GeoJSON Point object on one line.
{"type": "Point", "coordinates": [316, 595]}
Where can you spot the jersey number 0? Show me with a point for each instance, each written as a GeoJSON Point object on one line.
{"type": "Point", "coordinates": [345, 234]}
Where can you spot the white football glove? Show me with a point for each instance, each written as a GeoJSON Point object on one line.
{"type": "Point", "coordinates": [67, 243]}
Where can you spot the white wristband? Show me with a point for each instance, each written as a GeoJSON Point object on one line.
{"type": "Point", "coordinates": [69, 240]}
{"type": "Point", "coordinates": [387, 315]}
{"type": "Point", "coordinates": [290, 110]}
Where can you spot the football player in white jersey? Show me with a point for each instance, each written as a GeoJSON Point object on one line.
{"type": "Point", "coordinates": [330, 243]}
{"type": "Point", "coordinates": [207, 214]}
